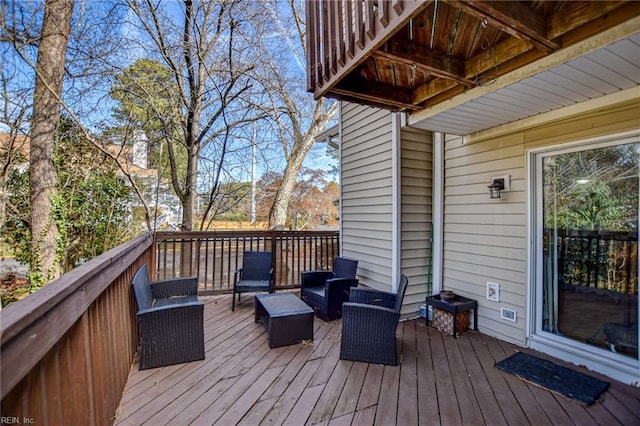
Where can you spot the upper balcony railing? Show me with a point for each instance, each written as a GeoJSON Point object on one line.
{"type": "Point", "coordinates": [67, 349]}
{"type": "Point", "coordinates": [341, 33]}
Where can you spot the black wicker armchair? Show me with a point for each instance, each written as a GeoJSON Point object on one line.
{"type": "Point", "coordinates": [170, 320]}
{"type": "Point", "coordinates": [369, 323]}
{"type": "Point", "coordinates": [255, 275]}
{"type": "Point", "coordinates": [326, 291]}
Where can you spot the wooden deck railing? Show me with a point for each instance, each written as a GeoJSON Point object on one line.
{"type": "Point", "coordinates": [215, 256]}
{"type": "Point", "coordinates": [68, 348]}
{"type": "Point", "coordinates": [604, 260]}
{"type": "Point", "coordinates": [342, 33]}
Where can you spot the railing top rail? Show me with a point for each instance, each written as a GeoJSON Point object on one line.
{"type": "Point", "coordinates": [60, 303]}
{"type": "Point", "coordinates": [602, 234]}
{"type": "Point", "coordinates": [172, 235]}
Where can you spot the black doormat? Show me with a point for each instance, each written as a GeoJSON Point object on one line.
{"type": "Point", "coordinates": [584, 389]}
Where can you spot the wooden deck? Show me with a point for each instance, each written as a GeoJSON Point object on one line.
{"type": "Point", "coordinates": [441, 380]}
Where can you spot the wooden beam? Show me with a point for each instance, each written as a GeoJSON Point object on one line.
{"type": "Point", "coordinates": [496, 55]}
{"type": "Point", "coordinates": [575, 14]}
{"type": "Point", "coordinates": [431, 89]}
{"type": "Point", "coordinates": [616, 17]}
{"type": "Point", "coordinates": [512, 17]}
{"type": "Point", "coordinates": [432, 62]}
{"type": "Point", "coordinates": [371, 91]}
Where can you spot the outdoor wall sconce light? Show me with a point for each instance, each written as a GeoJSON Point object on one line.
{"type": "Point", "coordinates": [498, 184]}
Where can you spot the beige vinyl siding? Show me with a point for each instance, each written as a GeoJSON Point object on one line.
{"type": "Point", "coordinates": [366, 192]}
{"type": "Point", "coordinates": [485, 239]}
{"type": "Point", "coordinates": [416, 186]}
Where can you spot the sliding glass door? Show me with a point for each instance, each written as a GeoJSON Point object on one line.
{"type": "Point", "coordinates": [587, 250]}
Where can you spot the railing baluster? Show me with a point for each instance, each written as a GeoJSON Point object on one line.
{"type": "Point", "coordinates": [349, 30]}
{"type": "Point", "coordinates": [369, 20]}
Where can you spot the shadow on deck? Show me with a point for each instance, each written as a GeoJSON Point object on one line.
{"type": "Point", "coordinates": [441, 380]}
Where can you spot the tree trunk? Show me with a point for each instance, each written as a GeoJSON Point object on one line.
{"type": "Point", "coordinates": [46, 112]}
{"type": "Point", "coordinates": [278, 212]}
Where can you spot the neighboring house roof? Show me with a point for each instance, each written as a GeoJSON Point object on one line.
{"type": "Point", "coordinates": [19, 145]}
{"type": "Point", "coordinates": [329, 136]}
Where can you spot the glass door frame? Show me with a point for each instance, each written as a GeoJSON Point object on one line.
{"type": "Point", "coordinates": [617, 366]}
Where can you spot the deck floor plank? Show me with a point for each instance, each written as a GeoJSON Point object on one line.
{"type": "Point", "coordinates": [371, 387]}
{"type": "Point", "coordinates": [445, 389]}
{"type": "Point", "coordinates": [349, 397]}
{"type": "Point", "coordinates": [323, 410]}
{"type": "Point", "coordinates": [427, 394]}
{"type": "Point", "coordinates": [170, 395]}
{"type": "Point", "coordinates": [465, 395]}
{"type": "Point", "coordinates": [481, 386]}
{"type": "Point", "coordinates": [508, 405]}
{"type": "Point", "coordinates": [408, 385]}
{"type": "Point", "coordinates": [285, 403]}
{"type": "Point", "coordinates": [387, 411]}
{"type": "Point", "coordinates": [522, 391]}
{"type": "Point", "coordinates": [243, 404]}
{"type": "Point", "coordinates": [440, 380]}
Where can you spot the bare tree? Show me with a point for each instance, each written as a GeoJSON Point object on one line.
{"type": "Point", "coordinates": [202, 57]}
{"type": "Point", "coordinates": [40, 47]}
{"type": "Point", "coordinates": [50, 67]}
{"type": "Point", "coordinates": [295, 116]}
{"type": "Point", "coordinates": [14, 144]}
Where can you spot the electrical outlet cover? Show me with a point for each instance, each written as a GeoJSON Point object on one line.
{"type": "Point", "coordinates": [493, 291]}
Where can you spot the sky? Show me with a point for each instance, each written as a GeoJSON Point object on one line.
{"type": "Point", "coordinates": [95, 105]}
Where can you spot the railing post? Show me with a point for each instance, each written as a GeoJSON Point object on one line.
{"type": "Point", "coordinates": [274, 252]}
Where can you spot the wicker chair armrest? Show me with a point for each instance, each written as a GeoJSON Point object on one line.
{"type": "Point", "coordinates": [368, 319]}
{"type": "Point", "coordinates": [315, 278]}
{"type": "Point", "coordinates": [163, 289]}
{"type": "Point", "coordinates": [237, 275]}
{"type": "Point", "coordinates": [337, 285]}
{"type": "Point", "coordinates": [372, 297]}
{"type": "Point", "coordinates": [162, 310]}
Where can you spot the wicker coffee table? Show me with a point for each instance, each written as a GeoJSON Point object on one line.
{"type": "Point", "coordinates": [287, 319]}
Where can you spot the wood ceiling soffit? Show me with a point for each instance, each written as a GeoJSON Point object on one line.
{"type": "Point", "coordinates": [437, 64]}
{"type": "Point", "coordinates": [385, 94]}
{"type": "Point", "coordinates": [514, 18]}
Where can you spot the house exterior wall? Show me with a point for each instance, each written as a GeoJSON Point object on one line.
{"type": "Point", "coordinates": [367, 192]}
{"type": "Point", "coordinates": [367, 200]}
{"type": "Point", "coordinates": [416, 199]}
{"type": "Point", "coordinates": [486, 239]}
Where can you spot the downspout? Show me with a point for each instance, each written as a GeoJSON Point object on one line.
{"type": "Point", "coordinates": [438, 210]}
{"type": "Point", "coordinates": [396, 240]}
